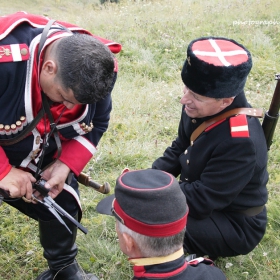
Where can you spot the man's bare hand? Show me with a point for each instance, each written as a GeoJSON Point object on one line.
{"type": "Point", "coordinates": [18, 183]}
{"type": "Point", "coordinates": [56, 176]}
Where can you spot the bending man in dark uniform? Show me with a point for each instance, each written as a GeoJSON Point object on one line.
{"type": "Point", "coordinates": [223, 163]}
{"type": "Point", "coordinates": [55, 103]}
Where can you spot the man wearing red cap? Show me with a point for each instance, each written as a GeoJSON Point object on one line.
{"type": "Point", "coordinates": [220, 152]}
{"type": "Point", "coordinates": [151, 215]}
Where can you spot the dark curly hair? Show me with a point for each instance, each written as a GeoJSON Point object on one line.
{"type": "Point", "coordinates": [86, 66]}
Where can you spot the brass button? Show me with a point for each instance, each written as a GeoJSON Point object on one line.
{"type": "Point", "coordinates": [185, 152]}
{"type": "Point", "coordinates": [193, 120]}
{"type": "Point", "coordinates": [188, 162]}
{"type": "Point", "coordinates": [35, 153]}
{"type": "Point", "coordinates": [24, 51]}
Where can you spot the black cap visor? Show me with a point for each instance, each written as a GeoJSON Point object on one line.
{"type": "Point", "coordinates": [105, 205]}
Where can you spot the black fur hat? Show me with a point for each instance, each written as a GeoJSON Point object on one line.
{"type": "Point", "coordinates": [216, 67]}
{"type": "Point", "coordinates": [149, 202]}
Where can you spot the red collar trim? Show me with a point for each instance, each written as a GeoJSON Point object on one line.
{"type": "Point", "coordinates": [140, 271]}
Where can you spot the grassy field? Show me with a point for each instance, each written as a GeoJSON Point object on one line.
{"type": "Point", "coordinates": [146, 112]}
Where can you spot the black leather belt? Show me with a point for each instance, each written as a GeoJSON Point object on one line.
{"type": "Point", "coordinates": [253, 211]}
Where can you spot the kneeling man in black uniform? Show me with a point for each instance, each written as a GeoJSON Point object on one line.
{"type": "Point", "coordinates": [220, 153]}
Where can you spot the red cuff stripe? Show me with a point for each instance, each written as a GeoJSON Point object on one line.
{"type": "Point", "coordinates": [76, 155]}
{"type": "Point", "coordinates": [5, 171]}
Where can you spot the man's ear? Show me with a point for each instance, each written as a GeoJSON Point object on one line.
{"type": "Point", "coordinates": [129, 242]}
{"type": "Point", "coordinates": [132, 249]}
{"type": "Point", "coordinates": [49, 67]}
{"type": "Point", "coordinates": [227, 101]}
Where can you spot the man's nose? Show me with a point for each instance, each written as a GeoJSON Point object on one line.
{"type": "Point", "coordinates": [185, 98]}
{"type": "Point", "coordinates": [68, 105]}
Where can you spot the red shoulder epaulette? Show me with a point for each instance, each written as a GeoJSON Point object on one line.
{"type": "Point", "coordinates": [239, 126]}
{"type": "Point", "coordinates": [14, 52]}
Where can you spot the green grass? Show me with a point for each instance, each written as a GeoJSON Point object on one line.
{"type": "Point", "coordinates": [144, 120]}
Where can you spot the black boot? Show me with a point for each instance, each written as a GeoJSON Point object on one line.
{"type": "Point", "coordinates": [60, 251]}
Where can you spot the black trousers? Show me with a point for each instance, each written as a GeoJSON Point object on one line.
{"type": "Point", "coordinates": [204, 238]}
{"type": "Point", "coordinates": [224, 234]}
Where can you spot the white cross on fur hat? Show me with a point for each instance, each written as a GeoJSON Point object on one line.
{"type": "Point", "coordinates": [216, 67]}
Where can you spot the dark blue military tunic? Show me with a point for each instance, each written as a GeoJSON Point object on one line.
{"type": "Point", "coordinates": [80, 128]}
{"type": "Point", "coordinates": [221, 176]}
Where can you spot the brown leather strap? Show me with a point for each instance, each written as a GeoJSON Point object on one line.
{"type": "Point", "coordinates": [254, 112]}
